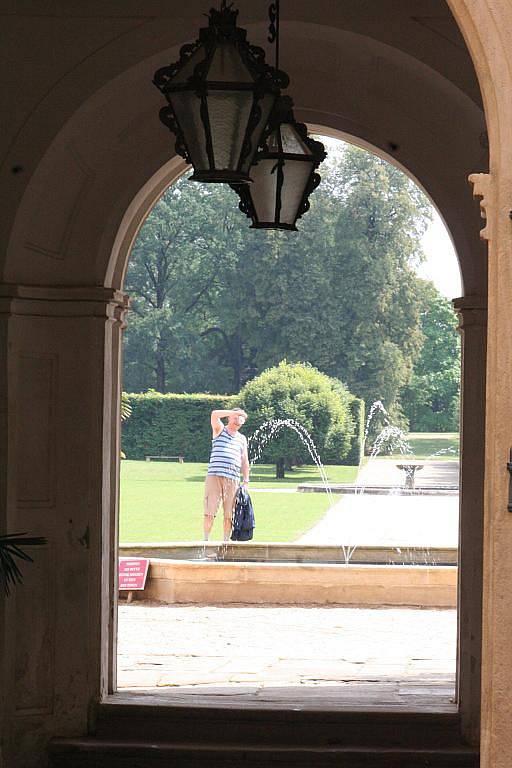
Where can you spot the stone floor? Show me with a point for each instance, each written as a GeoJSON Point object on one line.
{"type": "Point", "coordinates": [317, 657]}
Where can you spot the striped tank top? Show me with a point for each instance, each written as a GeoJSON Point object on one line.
{"type": "Point", "coordinates": [226, 455]}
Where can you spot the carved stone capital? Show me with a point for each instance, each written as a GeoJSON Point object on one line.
{"type": "Point", "coordinates": [483, 187]}
{"type": "Point", "coordinates": [471, 311]}
{"type": "Point", "coordinates": [62, 301]}
{"type": "Point", "coordinates": [120, 312]}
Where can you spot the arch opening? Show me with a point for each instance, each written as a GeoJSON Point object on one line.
{"type": "Point", "coordinates": [191, 551]}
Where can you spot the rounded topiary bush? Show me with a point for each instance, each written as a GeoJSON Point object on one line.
{"type": "Point", "coordinates": [320, 403]}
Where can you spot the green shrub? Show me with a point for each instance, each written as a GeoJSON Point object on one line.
{"type": "Point", "coordinates": [171, 425]}
{"type": "Point", "coordinates": [318, 402]}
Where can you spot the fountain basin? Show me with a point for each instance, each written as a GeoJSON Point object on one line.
{"type": "Point", "coordinates": [222, 583]}
{"type": "Point", "coordinates": [380, 490]}
{"type": "Point", "coordinates": [274, 552]}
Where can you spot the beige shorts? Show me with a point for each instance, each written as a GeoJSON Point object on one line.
{"type": "Point", "coordinates": [217, 489]}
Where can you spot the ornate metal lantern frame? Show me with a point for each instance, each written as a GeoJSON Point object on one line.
{"type": "Point", "coordinates": [233, 126]}
{"type": "Point", "coordinates": [220, 94]}
{"type": "Point", "coordinates": [284, 173]}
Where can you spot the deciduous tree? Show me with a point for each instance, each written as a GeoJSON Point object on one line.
{"type": "Point", "coordinates": [431, 399]}
{"type": "Point", "coordinates": [215, 302]}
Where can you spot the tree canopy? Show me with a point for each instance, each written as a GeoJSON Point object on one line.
{"type": "Point", "coordinates": [430, 400]}
{"type": "Point", "coordinates": [214, 303]}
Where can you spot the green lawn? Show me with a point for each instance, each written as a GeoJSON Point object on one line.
{"type": "Point", "coordinates": [163, 501]}
{"type": "Point", "coordinates": [434, 446]}
{"type": "Point", "coordinates": [426, 444]}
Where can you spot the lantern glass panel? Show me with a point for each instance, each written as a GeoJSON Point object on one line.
{"type": "Point", "coordinates": [263, 111]}
{"type": "Point", "coordinates": [188, 112]}
{"type": "Point", "coordinates": [264, 189]}
{"type": "Point", "coordinates": [228, 66]}
{"type": "Point", "coordinates": [296, 175]}
{"type": "Point", "coordinates": [291, 141]}
{"type": "Point", "coordinates": [228, 113]}
{"type": "Point", "coordinates": [187, 69]}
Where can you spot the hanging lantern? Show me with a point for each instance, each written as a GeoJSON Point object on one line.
{"type": "Point", "coordinates": [220, 95]}
{"type": "Point", "coordinates": [283, 173]}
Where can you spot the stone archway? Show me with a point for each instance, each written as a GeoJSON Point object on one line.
{"type": "Point", "coordinates": [472, 311]}
{"type": "Point", "coordinates": [77, 165]}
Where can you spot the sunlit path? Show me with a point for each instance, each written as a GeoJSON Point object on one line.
{"type": "Point", "coordinates": [384, 471]}
{"type": "Point", "coordinates": [388, 520]}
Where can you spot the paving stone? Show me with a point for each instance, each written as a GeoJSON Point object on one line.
{"type": "Point", "coordinates": [280, 654]}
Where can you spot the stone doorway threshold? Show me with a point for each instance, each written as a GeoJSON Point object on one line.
{"type": "Point", "coordinates": [287, 657]}
{"type": "Point", "coordinates": [427, 696]}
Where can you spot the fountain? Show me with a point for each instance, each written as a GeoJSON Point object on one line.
{"type": "Point", "coordinates": [389, 434]}
{"type": "Point", "coordinates": [271, 428]}
{"type": "Point", "coordinates": [337, 523]}
{"type": "Point", "coordinates": [296, 571]}
{"type": "Point", "coordinates": [390, 439]}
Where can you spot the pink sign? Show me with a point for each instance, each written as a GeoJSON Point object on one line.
{"type": "Point", "coordinates": [133, 572]}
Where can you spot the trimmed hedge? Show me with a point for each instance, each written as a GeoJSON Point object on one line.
{"type": "Point", "coordinates": [356, 452]}
{"type": "Point", "coordinates": [179, 425]}
{"type": "Point", "coordinates": [171, 425]}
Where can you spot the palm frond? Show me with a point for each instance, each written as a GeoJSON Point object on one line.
{"type": "Point", "coordinates": [10, 551]}
{"type": "Point", "coordinates": [126, 407]}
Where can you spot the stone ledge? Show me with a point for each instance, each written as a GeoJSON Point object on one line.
{"type": "Point", "coordinates": [174, 581]}
{"type": "Point", "coordinates": [380, 490]}
{"type": "Point", "coordinates": [290, 552]}
{"type": "Point", "coordinates": [108, 753]}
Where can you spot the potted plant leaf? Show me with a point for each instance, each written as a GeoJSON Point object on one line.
{"type": "Point", "coordinates": [11, 553]}
{"type": "Point", "coordinates": [126, 412]}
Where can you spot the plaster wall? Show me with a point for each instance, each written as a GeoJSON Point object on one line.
{"type": "Point", "coordinates": [55, 486]}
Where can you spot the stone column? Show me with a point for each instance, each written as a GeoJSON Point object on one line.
{"type": "Point", "coordinates": [495, 189]}
{"type": "Point", "coordinates": [112, 466]}
{"type": "Point", "coordinates": [58, 479]}
{"type": "Point", "coordinates": [472, 312]}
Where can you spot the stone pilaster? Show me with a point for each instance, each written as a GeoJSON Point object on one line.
{"type": "Point", "coordinates": [495, 189]}
{"type": "Point", "coordinates": [472, 313]}
{"type": "Point", "coordinates": [60, 404]}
